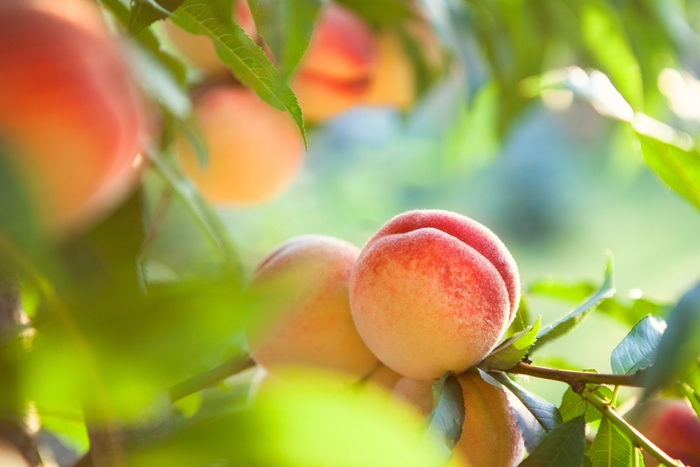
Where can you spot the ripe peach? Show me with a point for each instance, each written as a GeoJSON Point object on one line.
{"type": "Point", "coordinates": [393, 84]}
{"type": "Point", "coordinates": [338, 67]}
{"type": "Point", "coordinates": [673, 426]}
{"type": "Point", "coordinates": [254, 150]}
{"type": "Point", "coordinates": [68, 108]}
{"type": "Point", "coordinates": [490, 434]}
{"type": "Point", "coordinates": [199, 49]}
{"type": "Point", "coordinates": [309, 324]}
{"type": "Point", "coordinates": [433, 291]}
{"type": "Point", "coordinates": [10, 456]}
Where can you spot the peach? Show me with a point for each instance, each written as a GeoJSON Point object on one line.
{"type": "Point", "coordinates": [309, 323]}
{"type": "Point", "coordinates": [200, 50]}
{"type": "Point", "coordinates": [393, 84]}
{"type": "Point", "coordinates": [673, 426]}
{"type": "Point", "coordinates": [68, 109]}
{"type": "Point", "coordinates": [10, 455]}
{"type": "Point", "coordinates": [490, 434]}
{"type": "Point", "coordinates": [254, 150]}
{"type": "Point", "coordinates": [338, 67]}
{"type": "Point", "coordinates": [433, 291]}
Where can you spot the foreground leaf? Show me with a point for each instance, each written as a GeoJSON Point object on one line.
{"type": "Point", "coordinates": [638, 349]}
{"type": "Point", "coordinates": [610, 448]}
{"type": "Point", "coordinates": [447, 418]}
{"type": "Point", "coordinates": [680, 343]}
{"type": "Point", "coordinates": [573, 319]}
{"type": "Point", "coordinates": [563, 447]}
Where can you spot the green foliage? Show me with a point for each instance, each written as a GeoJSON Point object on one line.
{"type": "Point", "coordinates": [545, 413]}
{"type": "Point", "coordinates": [611, 448]}
{"type": "Point", "coordinates": [572, 405]}
{"type": "Point", "coordinates": [638, 349]}
{"type": "Point", "coordinates": [563, 447]}
{"type": "Point", "coordinates": [287, 27]}
{"type": "Point", "coordinates": [512, 351]}
{"type": "Point", "coordinates": [573, 319]}
{"type": "Point", "coordinates": [447, 418]}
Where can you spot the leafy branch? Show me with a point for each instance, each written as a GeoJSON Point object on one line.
{"type": "Point", "coordinates": [578, 379]}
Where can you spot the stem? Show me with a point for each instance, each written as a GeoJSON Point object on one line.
{"type": "Point", "coordinates": [577, 379]}
{"type": "Point", "coordinates": [158, 214]}
{"type": "Point", "coordinates": [209, 378]}
{"type": "Point", "coordinates": [638, 439]}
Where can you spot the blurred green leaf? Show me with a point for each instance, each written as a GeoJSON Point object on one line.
{"type": "Point", "coordinates": [638, 349]}
{"type": "Point", "coordinates": [573, 319]}
{"type": "Point", "coordinates": [611, 448]}
{"type": "Point", "coordinates": [512, 351]}
{"type": "Point", "coordinates": [380, 12]}
{"type": "Point", "coordinates": [146, 12]}
{"type": "Point", "coordinates": [605, 39]}
{"type": "Point", "coordinates": [68, 427]}
{"type": "Point", "coordinates": [546, 414]}
{"type": "Point", "coordinates": [447, 418]}
{"type": "Point", "coordinates": [308, 422]}
{"type": "Point", "coordinates": [678, 168]}
{"type": "Point", "coordinates": [572, 405]}
{"type": "Point", "coordinates": [243, 56]}
{"type": "Point", "coordinates": [693, 397]}
{"type": "Point", "coordinates": [563, 447]}
{"type": "Point", "coordinates": [522, 317]}
{"type": "Point", "coordinates": [680, 344]}
{"type": "Point", "coordinates": [286, 26]}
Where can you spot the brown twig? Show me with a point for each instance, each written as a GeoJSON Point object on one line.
{"type": "Point", "coordinates": [578, 379]}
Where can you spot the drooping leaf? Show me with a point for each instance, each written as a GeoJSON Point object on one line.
{"type": "Point", "coordinates": [447, 418]}
{"type": "Point", "coordinates": [638, 349]}
{"type": "Point", "coordinates": [512, 351]}
{"type": "Point", "coordinates": [546, 414]}
{"type": "Point", "coordinates": [680, 344]}
{"type": "Point", "coordinates": [611, 448]}
{"type": "Point", "coordinates": [286, 26]}
{"type": "Point", "coordinates": [573, 319]}
{"type": "Point", "coordinates": [678, 167]}
{"type": "Point", "coordinates": [563, 447]}
{"type": "Point", "coordinates": [243, 56]}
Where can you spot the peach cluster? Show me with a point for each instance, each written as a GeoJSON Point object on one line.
{"type": "Point", "coordinates": [69, 110]}
{"type": "Point", "coordinates": [346, 64]}
{"type": "Point", "coordinates": [431, 292]}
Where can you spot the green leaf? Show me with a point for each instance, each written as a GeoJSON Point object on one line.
{"type": "Point", "coordinates": [512, 351]}
{"type": "Point", "coordinates": [604, 37]}
{"type": "Point", "coordinates": [286, 26]}
{"type": "Point", "coordinates": [447, 418]}
{"type": "Point", "coordinates": [611, 448]}
{"type": "Point", "coordinates": [573, 319]}
{"type": "Point", "coordinates": [572, 405]}
{"type": "Point", "coordinates": [680, 344]}
{"type": "Point", "coordinates": [692, 395]}
{"type": "Point", "coordinates": [243, 56]}
{"type": "Point", "coordinates": [68, 427]}
{"type": "Point", "coordinates": [545, 413]}
{"type": "Point", "coordinates": [146, 12]}
{"type": "Point", "coordinates": [678, 167]}
{"type": "Point", "coordinates": [380, 12]}
{"type": "Point", "coordinates": [639, 458]}
{"type": "Point", "coordinates": [638, 349]}
{"type": "Point", "coordinates": [563, 447]}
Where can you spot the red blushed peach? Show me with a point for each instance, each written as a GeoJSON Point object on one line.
{"type": "Point", "coordinates": [433, 291]}
{"type": "Point", "coordinates": [309, 322]}
{"type": "Point", "coordinates": [199, 49]}
{"type": "Point", "coordinates": [68, 108]}
{"type": "Point", "coordinates": [338, 67]}
{"type": "Point", "coordinates": [490, 435]}
{"type": "Point", "coordinates": [673, 426]}
{"type": "Point", "coordinates": [254, 150]}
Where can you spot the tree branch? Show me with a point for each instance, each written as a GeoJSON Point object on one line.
{"type": "Point", "coordinates": [578, 379]}
{"type": "Point", "coordinates": [638, 439]}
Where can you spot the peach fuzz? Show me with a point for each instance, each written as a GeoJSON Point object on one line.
{"type": "Point", "coordinates": [308, 323]}
{"type": "Point", "coordinates": [433, 291]}
{"type": "Point", "coordinates": [200, 50]}
{"type": "Point", "coordinates": [338, 66]}
{"type": "Point", "coordinates": [673, 426]}
{"type": "Point", "coordinates": [68, 109]}
{"type": "Point", "coordinates": [490, 435]}
{"type": "Point", "coordinates": [254, 150]}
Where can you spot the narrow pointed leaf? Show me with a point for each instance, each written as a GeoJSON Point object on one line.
{"type": "Point", "coordinates": [447, 418]}
{"type": "Point", "coordinates": [611, 448]}
{"type": "Point", "coordinates": [146, 12]}
{"type": "Point", "coordinates": [563, 447]}
{"type": "Point", "coordinates": [512, 351]}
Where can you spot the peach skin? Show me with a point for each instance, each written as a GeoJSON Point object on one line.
{"type": "Point", "coordinates": [309, 322]}
{"type": "Point", "coordinates": [433, 291]}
